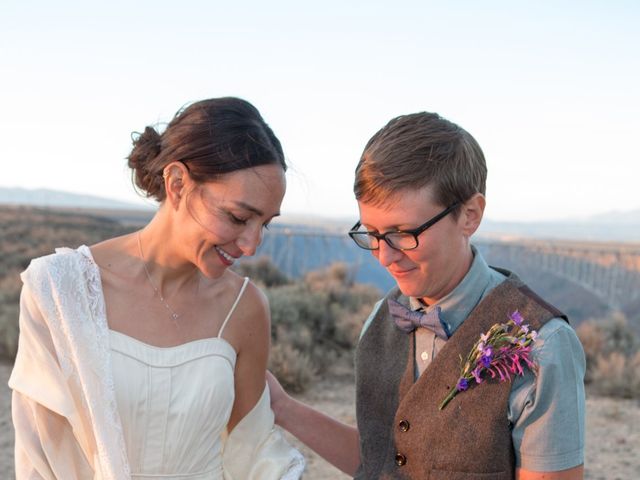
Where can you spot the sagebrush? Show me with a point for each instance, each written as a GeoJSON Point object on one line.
{"type": "Point", "coordinates": [612, 353]}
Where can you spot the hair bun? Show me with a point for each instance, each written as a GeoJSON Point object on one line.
{"type": "Point", "coordinates": [146, 147]}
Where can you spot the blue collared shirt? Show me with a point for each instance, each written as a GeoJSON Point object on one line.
{"type": "Point", "coordinates": [546, 409]}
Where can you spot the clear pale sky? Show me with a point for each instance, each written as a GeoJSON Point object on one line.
{"type": "Point", "coordinates": [549, 89]}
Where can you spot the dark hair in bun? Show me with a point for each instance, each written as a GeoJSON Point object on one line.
{"type": "Point", "coordinates": [211, 137]}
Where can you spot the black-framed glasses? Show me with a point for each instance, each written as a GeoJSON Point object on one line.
{"type": "Point", "coordinates": [400, 239]}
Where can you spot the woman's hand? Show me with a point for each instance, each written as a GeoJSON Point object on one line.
{"type": "Point", "coordinates": [278, 396]}
{"type": "Point", "coordinates": [336, 442]}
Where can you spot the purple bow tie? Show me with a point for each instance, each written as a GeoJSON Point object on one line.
{"type": "Point", "coordinates": [408, 320]}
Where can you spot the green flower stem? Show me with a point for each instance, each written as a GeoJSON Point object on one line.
{"type": "Point", "coordinates": [448, 398]}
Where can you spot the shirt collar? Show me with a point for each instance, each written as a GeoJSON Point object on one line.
{"type": "Point", "coordinates": [456, 306]}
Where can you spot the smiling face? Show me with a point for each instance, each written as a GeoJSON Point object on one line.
{"type": "Point", "coordinates": [443, 255]}
{"type": "Point", "coordinates": [223, 220]}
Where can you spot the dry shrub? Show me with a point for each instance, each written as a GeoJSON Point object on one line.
{"type": "Point", "coordinates": [293, 368]}
{"type": "Point", "coordinates": [613, 359]}
{"type": "Point", "coordinates": [349, 325]}
{"type": "Point", "coordinates": [10, 286]}
{"type": "Point", "coordinates": [332, 279]}
{"type": "Point", "coordinates": [592, 338]}
{"type": "Point", "coordinates": [262, 271]}
{"type": "Point", "coordinates": [300, 312]}
{"type": "Point", "coordinates": [319, 317]}
{"type": "Point", "coordinates": [8, 330]}
{"type": "Point", "coordinates": [300, 338]}
{"type": "Point", "coordinates": [619, 336]}
{"type": "Point", "coordinates": [617, 375]}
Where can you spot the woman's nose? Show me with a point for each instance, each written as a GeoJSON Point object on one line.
{"type": "Point", "coordinates": [250, 240]}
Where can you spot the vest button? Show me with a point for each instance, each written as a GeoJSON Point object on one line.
{"type": "Point", "coordinates": [404, 425]}
{"type": "Point", "coordinates": [400, 459]}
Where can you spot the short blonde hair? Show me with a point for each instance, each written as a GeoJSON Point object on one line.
{"type": "Point", "coordinates": [418, 150]}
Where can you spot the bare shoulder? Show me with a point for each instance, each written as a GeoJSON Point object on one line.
{"type": "Point", "coordinates": [253, 303]}
{"type": "Point", "coordinates": [250, 323]}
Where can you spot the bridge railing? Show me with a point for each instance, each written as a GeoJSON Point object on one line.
{"type": "Point", "coordinates": [611, 271]}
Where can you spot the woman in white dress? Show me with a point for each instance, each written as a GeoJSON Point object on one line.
{"type": "Point", "coordinates": [144, 356]}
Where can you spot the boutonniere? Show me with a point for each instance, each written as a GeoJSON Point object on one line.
{"type": "Point", "coordinates": [501, 352]}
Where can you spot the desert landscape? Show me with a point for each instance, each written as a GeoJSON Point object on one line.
{"type": "Point", "coordinates": [612, 437]}
{"type": "Point", "coordinates": [316, 320]}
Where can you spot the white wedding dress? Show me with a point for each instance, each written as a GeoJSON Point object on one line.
{"type": "Point", "coordinates": [89, 402]}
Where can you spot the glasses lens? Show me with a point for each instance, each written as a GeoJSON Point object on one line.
{"type": "Point", "coordinates": [401, 241]}
{"type": "Point", "coordinates": [364, 240]}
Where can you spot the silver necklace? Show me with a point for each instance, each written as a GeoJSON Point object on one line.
{"type": "Point", "coordinates": [174, 316]}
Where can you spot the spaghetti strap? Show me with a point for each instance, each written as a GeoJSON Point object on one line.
{"type": "Point", "coordinates": [233, 307]}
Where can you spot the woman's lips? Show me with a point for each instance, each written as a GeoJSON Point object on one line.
{"type": "Point", "coordinates": [226, 258]}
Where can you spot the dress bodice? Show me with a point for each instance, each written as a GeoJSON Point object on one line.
{"type": "Point", "coordinates": [174, 404]}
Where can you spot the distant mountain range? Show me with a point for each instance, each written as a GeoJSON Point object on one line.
{"type": "Point", "coordinates": [43, 197]}
{"type": "Point", "coordinates": [624, 228]}
{"type": "Point", "coordinates": [619, 226]}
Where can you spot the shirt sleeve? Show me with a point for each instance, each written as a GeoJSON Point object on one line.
{"type": "Point", "coordinates": [45, 443]}
{"type": "Point", "coordinates": [547, 407]}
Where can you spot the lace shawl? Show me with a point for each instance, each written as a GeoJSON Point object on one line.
{"type": "Point", "coordinates": [67, 288]}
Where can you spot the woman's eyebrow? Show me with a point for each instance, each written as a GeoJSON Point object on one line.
{"type": "Point", "coordinates": [253, 209]}
{"type": "Point", "coordinates": [246, 206]}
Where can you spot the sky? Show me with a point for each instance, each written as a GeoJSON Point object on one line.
{"type": "Point", "coordinates": [549, 89]}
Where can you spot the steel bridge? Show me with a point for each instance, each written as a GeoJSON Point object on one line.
{"type": "Point", "coordinates": [609, 270]}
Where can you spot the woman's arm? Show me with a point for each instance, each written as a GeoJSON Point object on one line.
{"type": "Point", "coordinates": [336, 442]}
{"type": "Point", "coordinates": [45, 442]}
{"type": "Point", "coordinates": [576, 473]}
{"type": "Point", "coordinates": [249, 329]}
{"type": "Point", "coordinates": [45, 445]}
{"type": "Point", "coordinates": [254, 449]}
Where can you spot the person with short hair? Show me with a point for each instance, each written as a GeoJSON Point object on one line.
{"type": "Point", "coordinates": [420, 187]}
{"type": "Point", "coordinates": [144, 356]}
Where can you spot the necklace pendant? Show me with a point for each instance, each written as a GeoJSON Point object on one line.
{"type": "Point", "coordinates": [174, 315]}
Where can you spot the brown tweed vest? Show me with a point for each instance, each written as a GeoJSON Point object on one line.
{"type": "Point", "coordinates": [402, 432]}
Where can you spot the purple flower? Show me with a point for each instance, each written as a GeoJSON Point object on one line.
{"type": "Point", "coordinates": [517, 318]}
{"type": "Point", "coordinates": [486, 360]}
{"type": "Point", "coordinates": [476, 374]}
{"type": "Point", "coordinates": [462, 385]}
{"type": "Point", "coordinates": [503, 351]}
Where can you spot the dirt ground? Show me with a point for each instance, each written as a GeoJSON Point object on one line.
{"type": "Point", "coordinates": [612, 434]}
